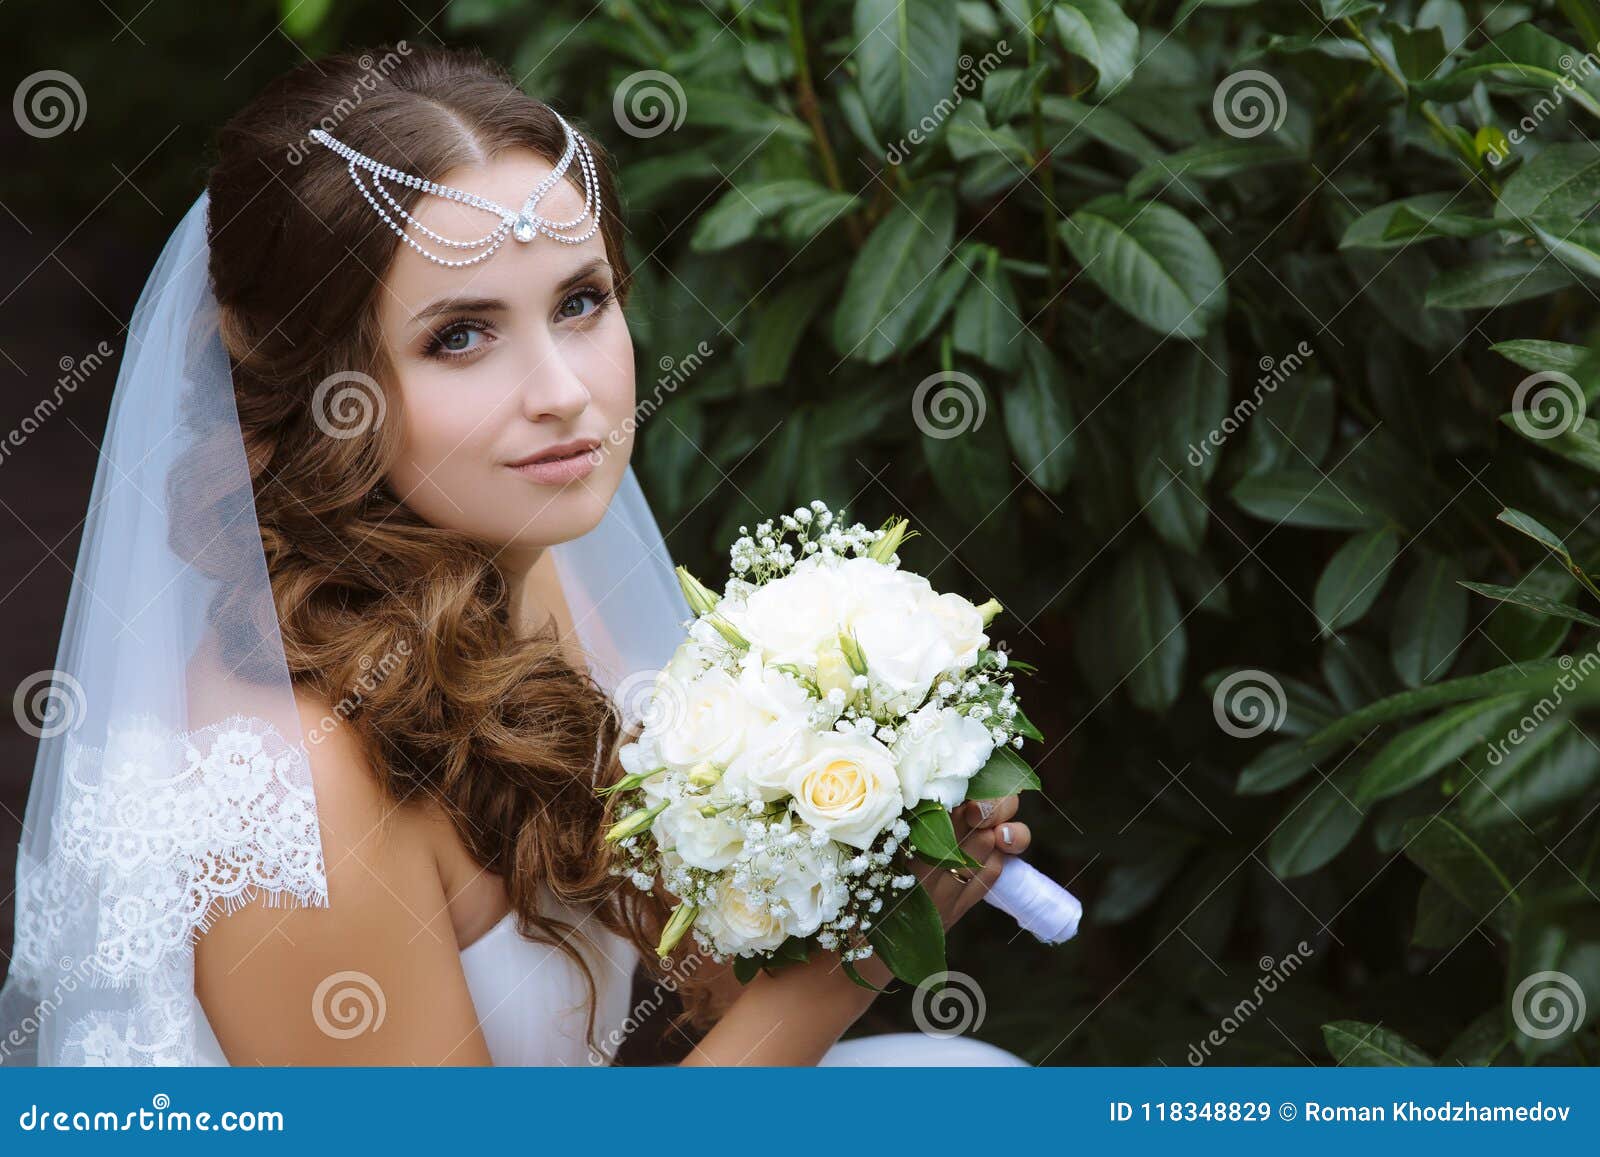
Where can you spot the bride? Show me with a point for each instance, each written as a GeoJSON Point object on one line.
{"type": "Point", "coordinates": [364, 558]}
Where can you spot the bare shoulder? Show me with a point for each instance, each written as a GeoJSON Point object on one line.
{"type": "Point", "coordinates": [281, 984]}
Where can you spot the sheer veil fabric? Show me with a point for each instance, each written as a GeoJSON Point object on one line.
{"type": "Point", "coordinates": [172, 779]}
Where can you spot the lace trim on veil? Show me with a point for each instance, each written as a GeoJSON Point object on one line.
{"type": "Point", "coordinates": [158, 830]}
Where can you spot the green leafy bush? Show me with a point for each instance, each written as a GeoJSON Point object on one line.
{"type": "Point", "coordinates": [1223, 342]}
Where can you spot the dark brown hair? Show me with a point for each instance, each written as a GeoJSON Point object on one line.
{"type": "Point", "coordinates": [502, 731]}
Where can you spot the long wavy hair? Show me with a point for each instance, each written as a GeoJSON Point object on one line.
{"type": "Point", "coordinates": [502, 731]}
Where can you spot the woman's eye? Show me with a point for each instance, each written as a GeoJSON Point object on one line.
{"type": "Point", "coordinates": [456, 340]}
{"type": "Point", "coordinates": [598, 296]}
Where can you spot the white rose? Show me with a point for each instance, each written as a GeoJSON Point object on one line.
{"type": "Point", "coordinates": [938, 751]}
{"type": "Point", "coordinates": [811, 896]}
{"type": "Point", "coordinates": [711, 842]}
{"type": "Point", "coordinates": [960, 624]}
{"type": "Point", "coordinates": [847, 787]}
{"type": "Point", "coordinates": [904, 653]}
{"type": "Point", "coordinates": [790, 618]}
{"type": "Point", "coordinates": [778, 733]}
{"type": "Point", "coordinates": [873, 586]}
{"type": "Point", "coordinates": [737, 923]}
{"type": "Point", "coordinates": [705, 719]}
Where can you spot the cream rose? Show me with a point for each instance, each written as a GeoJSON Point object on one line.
{"type": "Point", "coordinates": [847, 787]}
{"type": "Point", "coordinates": [938, 751]}
{"type": "Point", "coordinates": [961, 625]}
{"type": "Point", "coordinates": [737, 923]}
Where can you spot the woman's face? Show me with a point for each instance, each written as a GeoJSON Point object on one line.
{"type": "Point", "coordinates": [500, 363]}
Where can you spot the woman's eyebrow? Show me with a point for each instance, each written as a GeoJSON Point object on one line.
{"type": "Point", "coordinates": [489, 304]}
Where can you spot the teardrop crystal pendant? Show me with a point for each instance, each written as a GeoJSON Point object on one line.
{"type": "Point", "coordinates": [525, 230]}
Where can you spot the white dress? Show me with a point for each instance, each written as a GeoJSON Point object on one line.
{"type": "Point", "coordinates": [530, 999]}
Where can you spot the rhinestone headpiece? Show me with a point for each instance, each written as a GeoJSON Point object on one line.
{"type": "Point", "coordinates": [524, 225]}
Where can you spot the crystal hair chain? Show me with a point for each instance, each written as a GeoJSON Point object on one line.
{"type": "Point", "coordinates": [524, 225]}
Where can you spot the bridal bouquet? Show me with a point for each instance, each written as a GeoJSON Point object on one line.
{"type": "Point", "coordinates": [809, 737]}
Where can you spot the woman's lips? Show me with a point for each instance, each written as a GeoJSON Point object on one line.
{"type": "Point", "coordinates": [560, 471]}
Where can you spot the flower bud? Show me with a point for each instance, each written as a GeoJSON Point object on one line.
{"type": "Point", "coordinates": [705, 773]}
{"type": "Point", "coordinates": [852, 653]}
{"type": "Point", "coordinates": [833, 671]}
{"type": "Point", "coordinates": [728, 631]}
{"type": "Point", "coordinates": [989, 610]}
{"type": "Point", "coordinates": [682, 920]}
{"type": "Point", "coordinates": [701, 601]}
{"type": "Point", "coordinates": [635, 822]}
{"type": "Point", "coordinates": [894, 533]}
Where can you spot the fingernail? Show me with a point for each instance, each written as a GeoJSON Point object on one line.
{"type": "Point", "coordinates": [1005, 833]}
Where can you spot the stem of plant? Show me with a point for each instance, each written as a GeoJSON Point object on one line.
{"type": "Point", "coordinates": [811, 110]}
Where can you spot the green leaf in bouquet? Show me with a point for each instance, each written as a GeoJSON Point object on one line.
{"type": "Point", "coordinates": [909, 936]}
{"type": "Point", "coordinates": [1354, 1042]}
{"type": "Point", "coordinates": [1006, 773]}
{"type": "Point", "coordinates": [933, 837]}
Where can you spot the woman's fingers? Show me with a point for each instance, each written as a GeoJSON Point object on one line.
{"type": "Point", "coordinates": [1012, 838]}
{"type": "Point", "coordinates": [987, 813]}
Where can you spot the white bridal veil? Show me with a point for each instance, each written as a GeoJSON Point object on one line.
{"type": "Point", "coordinates": [172, 776]}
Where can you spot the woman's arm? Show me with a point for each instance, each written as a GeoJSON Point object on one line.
{"type": "Point", "coordinates": [306, 986]}
{"type": "Point", "coordinates": [794, 1016]}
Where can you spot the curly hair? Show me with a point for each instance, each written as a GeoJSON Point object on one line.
{"type": "Point", "coordinates": [502, 731]}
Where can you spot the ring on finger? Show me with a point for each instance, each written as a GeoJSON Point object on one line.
{"type": "Point", "coordinates": [963, 875]}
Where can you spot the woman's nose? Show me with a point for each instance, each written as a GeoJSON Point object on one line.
{"type": "Point", "coordinates": [553, 388]}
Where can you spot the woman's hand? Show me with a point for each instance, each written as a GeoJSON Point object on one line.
{"type": "Point", "coordinates": [986, 832]}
